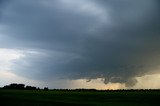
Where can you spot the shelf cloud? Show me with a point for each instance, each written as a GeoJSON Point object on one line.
{"type": "Point", "coordinates": [116, 40]}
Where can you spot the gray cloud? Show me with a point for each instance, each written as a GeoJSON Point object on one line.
{"type": "Point", "coordinates": [78, 43]}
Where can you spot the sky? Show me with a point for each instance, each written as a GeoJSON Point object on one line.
{"type": "Point", "coordinates": [100, 44]}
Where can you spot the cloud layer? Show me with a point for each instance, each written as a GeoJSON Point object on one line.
{"type": "Point", "coordinates": [117, 40]}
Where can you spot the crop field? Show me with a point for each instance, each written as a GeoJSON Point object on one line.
{"type": "Point", "coordinates": [78, 98]}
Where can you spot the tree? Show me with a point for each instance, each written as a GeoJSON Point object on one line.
{"type": "Point", "coordinates": [46, 88]}
{"type": "Point", "coordinates": [31, 88]}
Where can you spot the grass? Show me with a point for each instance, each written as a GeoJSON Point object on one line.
{"type": "Point", "coordinates": [78, 98]}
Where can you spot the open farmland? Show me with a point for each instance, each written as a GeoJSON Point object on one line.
{"type": "Point", "coordinates": [78, 98]}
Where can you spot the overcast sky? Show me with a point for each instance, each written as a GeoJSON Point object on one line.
{"type": "Point", "coordinates": [98, 44]}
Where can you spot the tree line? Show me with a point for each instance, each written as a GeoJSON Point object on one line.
{"type": "Point", "coordinates": [22, 87]}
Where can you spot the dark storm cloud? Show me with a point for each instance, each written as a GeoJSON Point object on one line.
{"type": "Point", "coordinates": [112, 39]}
{"type": "Point", "coordinates": [2, 5]}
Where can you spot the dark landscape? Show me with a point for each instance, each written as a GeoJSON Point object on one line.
{"type": "Point", "coordinates": [78, 97]}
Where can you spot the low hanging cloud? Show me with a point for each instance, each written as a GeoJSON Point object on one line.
{"type": "Point", "coordinates": [117, 40]}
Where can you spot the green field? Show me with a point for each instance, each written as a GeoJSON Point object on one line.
{"type": "Point", "coordinates": [78, 98]}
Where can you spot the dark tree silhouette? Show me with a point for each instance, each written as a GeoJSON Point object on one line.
{"type": "Point", "coordinates": [20, 86]}
{"type": "Point", "coordinates": [46, 88]}
{"type": "Point", "coordinates": [31, 88]}
{"type": "Point", "coordinates": [14, 86]}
